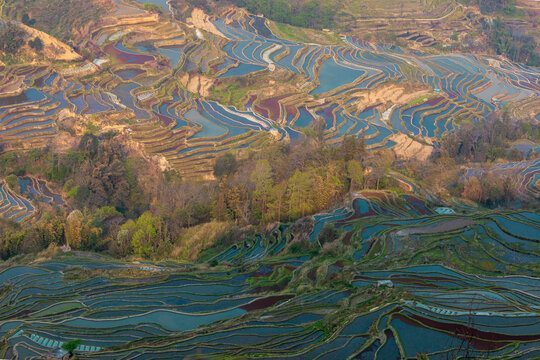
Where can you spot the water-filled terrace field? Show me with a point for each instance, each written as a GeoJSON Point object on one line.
{"type": "Point", "coordinates": [13, 206]}
{"type": "Point", "coordinates": [154, 77]}
{"type": "Point", "coordinates": [260, 298]}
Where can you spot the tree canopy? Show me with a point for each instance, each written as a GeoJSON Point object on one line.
{"type": "Point", "coordinates": [11, 39]}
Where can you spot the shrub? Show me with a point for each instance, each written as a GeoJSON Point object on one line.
{"type": "Point", "coordinates": [13, 182]}
{"type": "Point", "coordinates": [328, 234]}
{"type": "Point", "coordinates": [225, 165]}
{"type": "Point", "coordinates": [71, 345]}
{"type": "Point", "coordinates": [36, 44]}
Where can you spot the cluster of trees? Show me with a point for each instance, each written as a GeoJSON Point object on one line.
{"type": "Point", "coordinates": [153, 8]}
{"type": "Point", "coordinates": [480, 142]}
{"type": "Point", "coordinates": [36, 44]}
{"type": "Point", "coordinates": [124, 205]}
{"type": "Point", "coordinates": [99, 174]}
{"type": "Point", "coordinates": [312, 13]}
{"type": "Point", "coordinates": [62, 19]}
{"type": "Point", "coordinates": [503, 38]}
{"type": "Point", "coordinates": [513, 44]}
{"type": "Point", "coordinates": [11, 39]}
{"type": "Point", "coordinates": [493, 6]}
{"type": "Point", "coordinates": [89, 230]}
{"type": "Point", "coordinates": [486, 140]}
{"type": "Point", "coordinates": [118, 202]}
{"type": "Point", "coordinates": [99, 179]}
{"type": "Point", "coordinates": [127, 206]}
{"type": "Point", "coordinates": [489, 190]}
{"type": "Point", "coordinates": [26, 20]}
{"type": "Point", "coordinates": [281, 186]}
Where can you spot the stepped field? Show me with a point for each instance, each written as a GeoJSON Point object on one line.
{"type": "Point", "coordinates": [159, 80]}
{"type": "Point", "coordinates": [188, 92]}
{"type": "Point", "coordinates": [19, 204]}
{"type": "Point", "coordinates": [267, 298]}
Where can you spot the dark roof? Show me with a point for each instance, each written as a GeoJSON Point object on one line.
{"type": "Point", "coordinates": [58, 353]}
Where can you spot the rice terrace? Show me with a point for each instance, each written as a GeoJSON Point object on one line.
{"type": "Point", "coordinates": [241, 179]}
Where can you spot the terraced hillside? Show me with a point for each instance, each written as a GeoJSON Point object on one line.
{"type": "Point", "coordinates": [156, 89]}
{"type": "Point", "coordinates": [62, 19]}
{"type": "Point", "coordinates": [13, 206]}
{"type": "Point", "coordinates": [525, 174]}
{"type": "Point", "coordinates": [19, 204]}
{"type": "Point", "coordinates": [294, 291]}
{"type": "Point", "coordinates": [189, 92]}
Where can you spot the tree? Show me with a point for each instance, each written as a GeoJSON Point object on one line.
{"type": "Point", "coordinates": [12, 238]}
{"type": "Point", "coordinates": [299, 191]}
{"type": "Point", "coordinates": [276, 206]}
{"type": "Point", "coordinates": [13, 181]}
{"type": "Point", "coordinates": [147, 234]}
{"type": "Point", "coordinates": [71, 345]}
{"type": "Point", "coordinates": [355, 174]}
{"type": "Point", "coordinates": [36, 44]}
{"type": "Point", "coordinates": [328, 234]}
{"type": "Point", "coordinates": [25, 19]}
{"type": "Point", "coordinates": [315, 130]}
{"type": "Point", "coordinates": [262, 176]}
{"type": "Point", "coordinates": [473, 190]}
{"type": "Point", "coordinates": [73, 229]}
{"type": "Point", "coordinates": [80, 233]}
{"type": "Point", "coordinates": [352, 148]}
{"type": "Point", "coordinates": [49, 230]}
{"type": "Point", "coordinates": [225, 165]}
{"type": "Point", "coordinates": [89, 144]}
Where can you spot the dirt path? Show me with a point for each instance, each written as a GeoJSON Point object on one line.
{"type": "Point", "coordinates": [412, 19]}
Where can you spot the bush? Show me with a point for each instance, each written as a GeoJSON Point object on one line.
{"type": "Point", "coordinates": [36, 44]}
{"type": "Point", "coordinates": [27, 21]}
{"type": "Point", "coordinates": [225, 165]}
{"type": "Point", "coordinates": [79, 193]}
{"type": "Point", "coordinates": [152, 8]}
{"type": "Point", "coordinates": [71, 345]}
{"type": "Point", "coordinates": [296, 248]}
{"type": "Point", "coordinates": [328, 234]}
{"type": "Point", "coordinates": [13, 182]}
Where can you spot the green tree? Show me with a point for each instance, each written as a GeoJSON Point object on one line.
{"type": "Point", "coordinates": [13, 182]}
{"type": "Point", "coordinates": [71, 345]}
{"type": "Point", "coordinates": [49, 230]}
{"type": "Point", "coordinates": [355, 174]}
{"type": "Point", "coordinates": [36, 44]}
{"type": "Point", "coordinates": [299, 191]}
{"type": "Point", "coordinates": [328, 234]}
{"type": "Point", "coordinates": [147, 234]}
{"type": "Point", "coordinates": [262, 176]}
{"type": "Point", "coordinates": [89, 144]}
{"type": "Point", "coordinates": [25, 18]}
{"type": "Point", "coordinates": [225, 165]}
{"type": "Point", "coordinates": [80, 231]}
